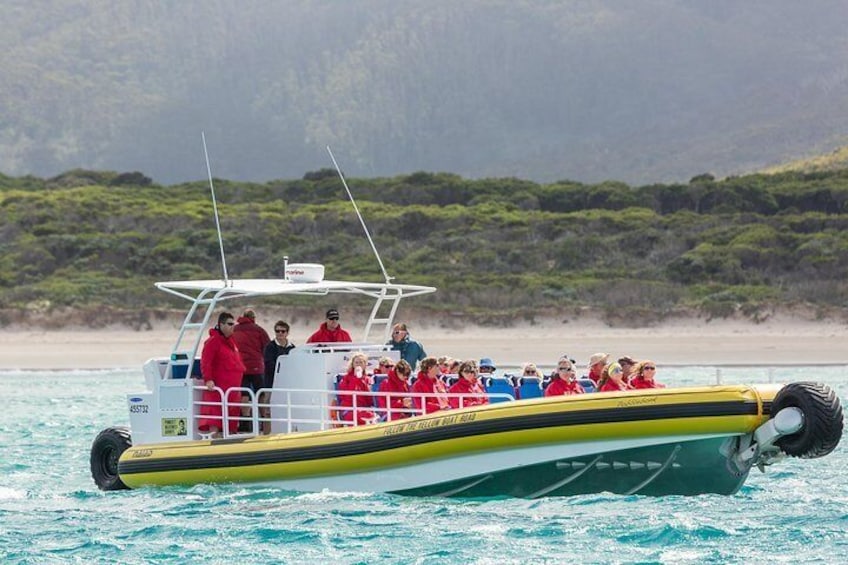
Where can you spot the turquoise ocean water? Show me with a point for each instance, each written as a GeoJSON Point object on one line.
{"type": "Point", "coordinates": [51, 512]}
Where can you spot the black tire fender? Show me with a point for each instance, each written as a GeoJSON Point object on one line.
{"type": "Point", "coordinates": [105, 452]}
{"type": "Point", "coordinates": [823, 420]}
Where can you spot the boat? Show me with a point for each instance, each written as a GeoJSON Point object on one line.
{"type": "Point", "coordinates": [674, 441]}
{"type": "Point", "coordinates": [682, 441]}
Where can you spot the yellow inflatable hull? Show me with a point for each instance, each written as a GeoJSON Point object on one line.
{"type": "Point", "coordinates": [489, 450]}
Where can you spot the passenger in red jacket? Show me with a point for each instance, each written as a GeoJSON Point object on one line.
{"type": "Point", "coordinates": [468, 384]}
{"type": "Point", "coordinates": [597, 362]}
{"type": "Point", "coordinates": [627, 364]}
{"type": "Point", "coordinates": [330, 331]}
{"type": "Point", "coordinates": [251, 340]}
{"type": "Point", "coordinates": [356, 380]}
{"type": "Point", "coordinates": [612, 379]}
{"type": "Point", "coordinates": [429, 388]}
{"type": "Point", "coordinates": [643, 375]}
{"type": "Point", "coordinates": [396, 406]}
{"type": "Point", "coordinates": [222, 367]}
{"type": "Point", "coordinates": [564, 380]}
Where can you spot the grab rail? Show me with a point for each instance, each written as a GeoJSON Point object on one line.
{"type": "Point", "coordinates": [327, 414]}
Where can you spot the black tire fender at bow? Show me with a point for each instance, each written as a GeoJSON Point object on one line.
{"type": "Point", "coordinates": [823, 424]}
{"type": "Point", "coordinates": [105, 452]}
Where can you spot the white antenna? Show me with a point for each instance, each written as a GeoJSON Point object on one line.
{"type": "Point", "coordinates": [361, 221]}
{"type": "Point", "coordinates": [215, 207]}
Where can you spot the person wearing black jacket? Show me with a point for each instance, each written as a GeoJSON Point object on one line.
{"type": "Point", "coordinates": [280, 345]}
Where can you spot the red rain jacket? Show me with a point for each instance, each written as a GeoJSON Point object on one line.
{"type": "Point", "coordinates": [612, 386]}
{"type": "Point", "coordinates": [595, 376]}
{"type": "Point", "coordinates": [464, 386]}
{"type": "Point", "coordinates": [639, 382]}
{"type": "Point", "coordinates": [352, 383]}
{"type": "Point", "coordinates": [432, 387]}
{"type": "Point", "coordinates": [251, 340]}
{"type": "Point", "coordinates": [221, 363]}
{"type": "Point", "coordinates": [397, 385]}
{"type": "Point", "coordinates": [323, 335]}
{"type": "Point", "coordinates": [559, 387]}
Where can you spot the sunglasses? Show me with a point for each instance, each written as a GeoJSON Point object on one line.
{"type": "Point", "coordinates": [565, 369]}
{"type": "Point", "coordinates": [334, 318]}
{"type": "Point", "coordinates": [649, 368]}
{"type": "Point", "coordinates": [469, 372]}
{"type": "Point", "coordinates": [229, 323]}
{"type": "Point", "coordinates": [281, 331]}
{"type": "Point", "coordinates": [386, 365]}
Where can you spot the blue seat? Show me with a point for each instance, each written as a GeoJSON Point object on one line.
{"type": "Point", "coordinates": [499, 385]}
{"type": "Point", "coordinates": [529, 387]}
{"type": "Point", "coordinates": [378, 380]}
{"type": "Point", "coordinates": [449, 380]}
{"type": "Point", "coordinates": [375, 386]}
{"type": "Point", "coordinates": [513, 379]}
{"type": "Point", "coordinates": [587, 384]}
{"type": "Point", "coordinates": [179, 371]}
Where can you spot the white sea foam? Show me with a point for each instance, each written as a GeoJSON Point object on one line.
{"type": "Point", "coordinates": [11, 494]}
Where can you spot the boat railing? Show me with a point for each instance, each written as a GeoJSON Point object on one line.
{"type": "Point", "coordinates": [328, 412]}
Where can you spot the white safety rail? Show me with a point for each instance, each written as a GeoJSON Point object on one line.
{"type": "Point", "coordinates": [326, 414]}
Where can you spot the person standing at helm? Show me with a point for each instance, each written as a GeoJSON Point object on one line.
{"type": "Point", "coordinates": [280, 345]}
{"type": "Point", "coordinates": [251, 339]}
{"type": "Point", "coordinates": [330, 331]}
{"type": "Point", "coordinates": [410, 351]}
{"type": "Point", "coordinates": [222, 367]}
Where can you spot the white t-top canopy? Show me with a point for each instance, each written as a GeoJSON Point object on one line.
{"type": "Point", "coordinates": [240, 288]}
{"type": "Point", "coordinates": [206, 294]}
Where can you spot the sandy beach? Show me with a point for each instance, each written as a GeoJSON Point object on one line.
{"type": "Point", "coordinates": [697, 342]}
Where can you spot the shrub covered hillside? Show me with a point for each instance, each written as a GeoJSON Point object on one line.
{"type": "Point", "coordinates": [496, 248]}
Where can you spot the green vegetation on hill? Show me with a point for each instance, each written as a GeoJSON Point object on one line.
{"type": "Point", "coordinates": [496, 248]}
{"type": "Point", "coordinates": [834, 161]}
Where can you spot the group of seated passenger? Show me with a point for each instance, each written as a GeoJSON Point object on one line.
{"type": "Point", "coordinates": [623, 374]}
{"type": "Point", "coordinates": [627, 374]}
{"type": "Point", "coordinates": [429, 391]}
{"type": "Point", "coordinates": [428, 394]}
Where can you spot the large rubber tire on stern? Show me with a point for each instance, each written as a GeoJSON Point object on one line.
{"type": "Point", "coordinates": [105, 452]}
{"type": "Point", "coordinates": [822, 419]}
